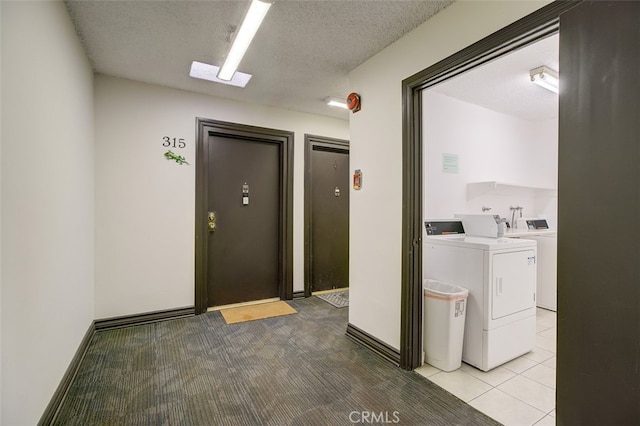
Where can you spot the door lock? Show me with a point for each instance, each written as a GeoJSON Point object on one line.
{"type": "Point", "coordinates": [212, 221]}
{"type": "Point", "coordinates": [245, 194]}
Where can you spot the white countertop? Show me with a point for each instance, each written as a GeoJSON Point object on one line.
{"type": "Point", "coordinates": [482, 243]}
{"type": "Point", "coordinates": [526, 233]}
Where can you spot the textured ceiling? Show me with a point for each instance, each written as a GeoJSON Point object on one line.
{"type": "Point", "coordinates": [504, 85]}
{"type": "Point", "coordinates": [302, 53]}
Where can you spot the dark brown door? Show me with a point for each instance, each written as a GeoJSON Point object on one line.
{"type": "Point", "coordinates": [244, 196]}
{"type": "Point", "coordinates": [328, 186]}
{"type": "Point", "coordinates": [599, 188]}
{"type": "Point", "coordinates": [249, 255]}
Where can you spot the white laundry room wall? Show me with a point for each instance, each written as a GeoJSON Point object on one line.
{"type": "Point", "coordinates": [145, 205]}
{"type": "Point", "coordinates": [375, 265]}
{"type": "Point", "coordinates": [489, 146]}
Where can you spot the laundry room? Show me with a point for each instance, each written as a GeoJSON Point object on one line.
{"type": "Point", "coordinates": [491, 140]}
{"type": "Point", "coordinates": [490, 160]}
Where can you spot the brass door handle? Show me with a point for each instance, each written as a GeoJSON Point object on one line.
{"type": "Point", "coordinates": [212, 221]}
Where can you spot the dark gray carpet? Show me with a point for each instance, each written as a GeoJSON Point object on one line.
{"type": "Point", "coordinates": [339, 299]}
{"type": "Point", "coordinates": [290, 370]}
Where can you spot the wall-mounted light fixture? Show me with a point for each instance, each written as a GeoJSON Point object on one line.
{"type": "Point", "coordinates": [336, 102]}
{"type": "Point", "coordinates": [252, 20]}
{"type": "Point", "coordinates": [545, 77]}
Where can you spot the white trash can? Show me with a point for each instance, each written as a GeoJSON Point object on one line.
{"type": "Point", "coordinates": [443, 324]}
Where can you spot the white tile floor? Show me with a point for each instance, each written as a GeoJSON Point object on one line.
{"type": "Point", "coordinates": [518, 393]}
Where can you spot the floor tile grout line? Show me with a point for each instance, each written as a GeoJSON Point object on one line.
{"type": "Point", "coordinates": [528, 403]}
{"type": "Point", "coordinates": [488, 390]}
{"type": "Point", "coordinates": [508, 394]}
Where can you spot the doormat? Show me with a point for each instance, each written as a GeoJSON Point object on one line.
{"type": "Point", "coordinates": [256, 312]}
{"type": "Point", "coordinates": [339, 299]}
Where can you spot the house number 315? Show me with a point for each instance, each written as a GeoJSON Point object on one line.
{"type": "Point", "coordinates": [173, 142]}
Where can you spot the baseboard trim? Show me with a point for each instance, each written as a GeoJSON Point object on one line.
{"type": "Point", "coordinates": [299, 294]}
{"type": "Point", "coordinates": [147, 317]}
{"type": "Point", "coordinates": [377, 346]}
{"type": "Point", "coordinates": [51, 412]}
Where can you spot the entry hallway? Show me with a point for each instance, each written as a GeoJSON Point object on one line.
{"type": "Point", "coordinates": [297, 369]}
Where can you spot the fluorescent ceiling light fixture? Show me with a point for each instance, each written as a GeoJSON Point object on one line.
{"type": "Point", "coordinates": [250, 25]}
{"type": "Point", "coordinates": [210, 72]}
{"type": "Point", "coordinates": [545, 77]}
{"type": "Point", "coordinates": [336, 102]}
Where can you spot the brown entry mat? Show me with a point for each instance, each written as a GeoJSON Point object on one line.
{"type": "Point", "coordinates": [256, 312]}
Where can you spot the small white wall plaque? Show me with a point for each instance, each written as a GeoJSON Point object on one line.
{"type": "Point", "coordinates": [450, 163]}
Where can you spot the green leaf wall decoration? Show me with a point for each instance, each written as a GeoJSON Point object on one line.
{"type": "Point", "coordinates": [177, 158]}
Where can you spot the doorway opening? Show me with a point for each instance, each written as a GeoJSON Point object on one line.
{"type": "Point", "coordinates": [503, 134]}
{"type": "Point", "coordinates": [244, 214]}
{"type": "Point", "coordinates": [534, 27]}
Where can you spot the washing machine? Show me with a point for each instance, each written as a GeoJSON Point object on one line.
{"type": "Point", "coordinates": [538, 229]}
{"type": "Point", "coordinates": [500, 274]}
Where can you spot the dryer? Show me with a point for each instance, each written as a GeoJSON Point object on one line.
{"type": "Point", "coordinates": [547, 239]}
{"type": "Point", "coordinates": [500, 274]}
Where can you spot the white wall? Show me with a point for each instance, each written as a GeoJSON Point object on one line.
{"type": "Point", "coordinates": [490, 147]}
{"type": "Point", "coordinates": [376, 149]}
{"type": "Point", "coordinates": [145, 205]}
{"type": "Point", "coordinates": [47, 204]}
{"type": "Point", "coordinates": [0, 220]}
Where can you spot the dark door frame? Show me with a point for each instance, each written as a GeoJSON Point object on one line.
{"type": "Point", "coordinates": [537, 25]}
{"type": "Point", "coordinates": [205, 128]}
{"type": "Point", "coordinates": [310, 143]}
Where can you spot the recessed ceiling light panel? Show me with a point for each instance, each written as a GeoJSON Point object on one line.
{"type": "Point", "coordinates": [209, 72]}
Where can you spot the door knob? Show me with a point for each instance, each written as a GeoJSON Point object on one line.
{"type": "Point", "coordinates": [211, 221]}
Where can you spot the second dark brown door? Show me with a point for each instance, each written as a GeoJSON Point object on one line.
{"type": "Point", "coordinates": [244, 195]}
{"type": "Point", "coordinates": [329, 221]}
